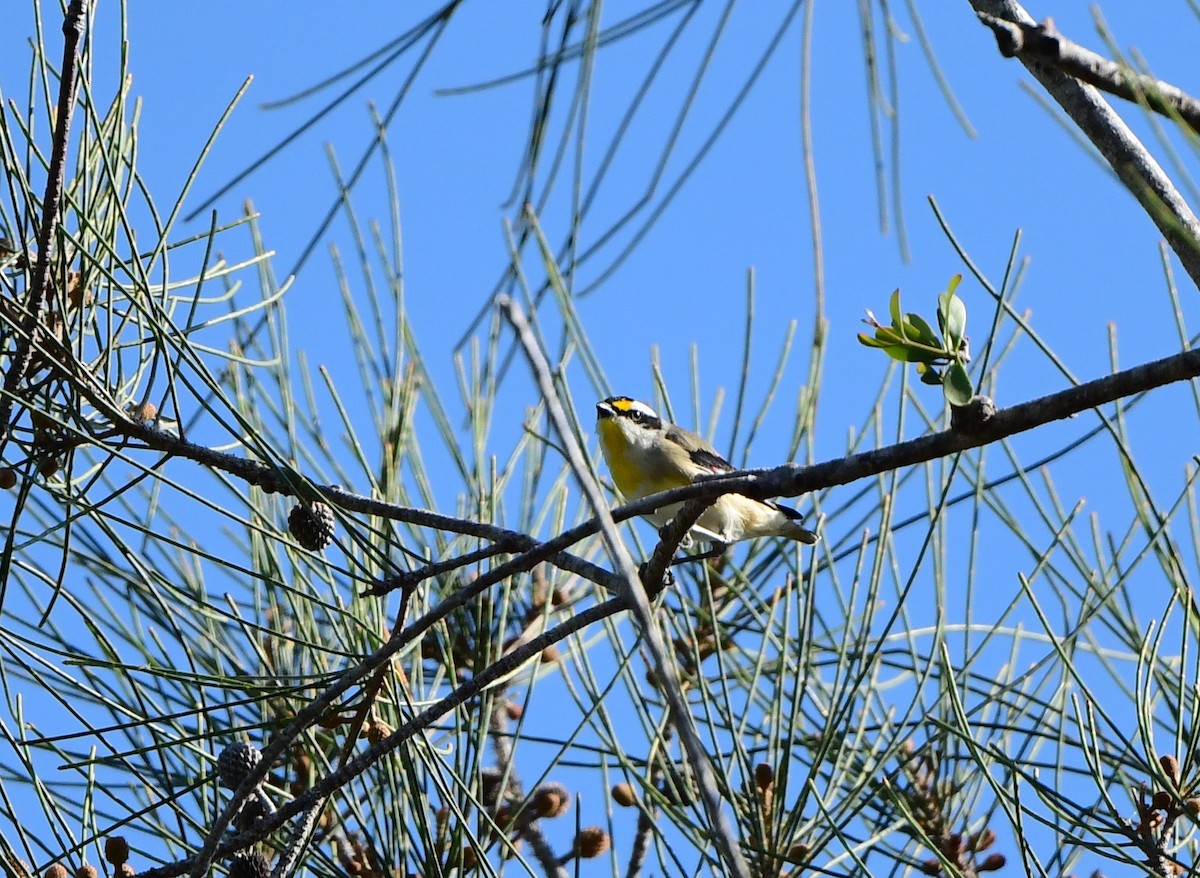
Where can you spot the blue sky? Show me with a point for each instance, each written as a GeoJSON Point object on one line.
{"type": "Point", "coordinates": [745, 207]}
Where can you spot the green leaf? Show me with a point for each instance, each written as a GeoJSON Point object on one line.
{"type": "Point", "coordinates": [885, 335]}
{"type": "Point", "coordinates": [900, 352]}
{"type": "Point", "coordinates": [956, 385]}
{"type": "Point", "coordinates": [952, 315]}
{"type": "Point", "coordinates": [922, 331]}
{"type": "Point", "coordinates": [894, 307]}
{"type": "Point", "coordinates": [883, 338]}
{"type": "Point", "coordinates": [900, 348]}
{"type": "Point", "coordinates": [924, 355]}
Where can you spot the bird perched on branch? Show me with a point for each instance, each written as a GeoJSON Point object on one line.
{"type": "Point", "coordinates": [647, 454]}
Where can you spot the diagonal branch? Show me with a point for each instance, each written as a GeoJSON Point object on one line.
{"type": "Point", "coordinates": [792, 479]}
{"type": "Point", "coordinates": [216, 845]}
{"type": "Point", "coordinates": [73, 26]}
{"type": "Point", "coordinates": [634, 592]}
{"type": "Point", "coordinates": [1044, 44]}
{"type": "Point", "coordinates": [789, 479]}
{"type": "Point", "coordinates": [1130, 160]}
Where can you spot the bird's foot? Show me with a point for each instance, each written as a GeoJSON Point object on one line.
{"type": "Point", "coordinates": [714, 550]}
{"type": "Point", "coordinates": [652, 588]}
{"type": "Point", "coordinates": [685, 543]}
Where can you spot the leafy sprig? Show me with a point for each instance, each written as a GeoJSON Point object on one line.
{"type": "Point", "coordinates": [941, 360]}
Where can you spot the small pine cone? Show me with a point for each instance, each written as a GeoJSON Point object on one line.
{"type": "Point", "coordinates": [983, 840]}
{"type": "Point", "coordinates": [249, 865]}
{"type": "Point", "coordinates": [87, 871]}
{"type": "Point", "coordinates": [764, 776]}
{"type": "Point", "coordinates": [77, 294]}
{"type": "Point", "coordinates": [116, 849]}
{"type": "Point", "coordinates": [624, 795]}
{"type": "Point", "coordinates": [504, 817]}
{"type": "Point", "coordinates": [312, 525]}
{"type": "Point", "coordinates": [1170, 767]}
{"type": "Point", "coordinates": [992, 863]}
{"type": "Point", "coordinates": [592, 841]}
{"type": "Point", "coordinates": [236, 762]}
{"type": "Point", "coordinates": [8, 477]}
{"type": "Point", "coordinates": [143, 412]}
{"type": "Point", "coordinates": [377, 730]}
{"type": "Point", "coordinates": [57, 870]}
{"type": "Point", "coordinates": [551, 800]}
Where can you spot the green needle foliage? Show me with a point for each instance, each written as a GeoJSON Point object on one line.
{"type": "Point", "coordinates": [260, 612]}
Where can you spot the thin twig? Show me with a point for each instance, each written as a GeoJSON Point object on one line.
{"type": "Point", "coordinates": [413, 578]}
{"type": "Point", "coordinates": [68, 87]}
{"type": "Point", "coordinates": [289, 860]}
{"type": "Point", "coordinates": [647, 812]}
{"type": "Point", "coordinates": [527, 823]}
{"type": "Point", "coordinates": [302, 836]}
{"type": "Point", "coordinates": [722, 833]}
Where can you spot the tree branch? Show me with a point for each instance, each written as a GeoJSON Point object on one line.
{"type": "Point", "coordinates": [1044, 43]}
{"type": "Point", "coordinates": [215, 848]}
{"type": "Point", "coordinates": [792, 479]}
{"type": "Point", "coordinates": [635, 593]}
{"type": "Point", "coordinates": [1129, 159]}
{"type": "Point", "coordinates": [56, 173]}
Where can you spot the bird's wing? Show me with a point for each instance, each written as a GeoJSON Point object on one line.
{"type": "Point", "coordinates": [710, 460]}
{"type": "Point", "coordinates": [788, 511]}
{"type": "Point", "coordinates": [701, 453]}
{"type": "Point", "coordinates": [704, 455]}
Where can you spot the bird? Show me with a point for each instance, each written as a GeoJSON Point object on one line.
{"type": "Point", "coordinates": [646, 455]}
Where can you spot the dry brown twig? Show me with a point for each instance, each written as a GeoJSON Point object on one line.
{"type": "Point", "coordinates": [18, 367]}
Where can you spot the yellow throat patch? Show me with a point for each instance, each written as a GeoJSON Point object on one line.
{"type": "Point", "coordinates": [629, 467]}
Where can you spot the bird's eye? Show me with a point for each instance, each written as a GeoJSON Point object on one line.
{"type": "Point", "coordinates": [636, 416]}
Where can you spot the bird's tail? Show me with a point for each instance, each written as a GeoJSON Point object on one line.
{"type": "Point", "coordinates": [793, 529]}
